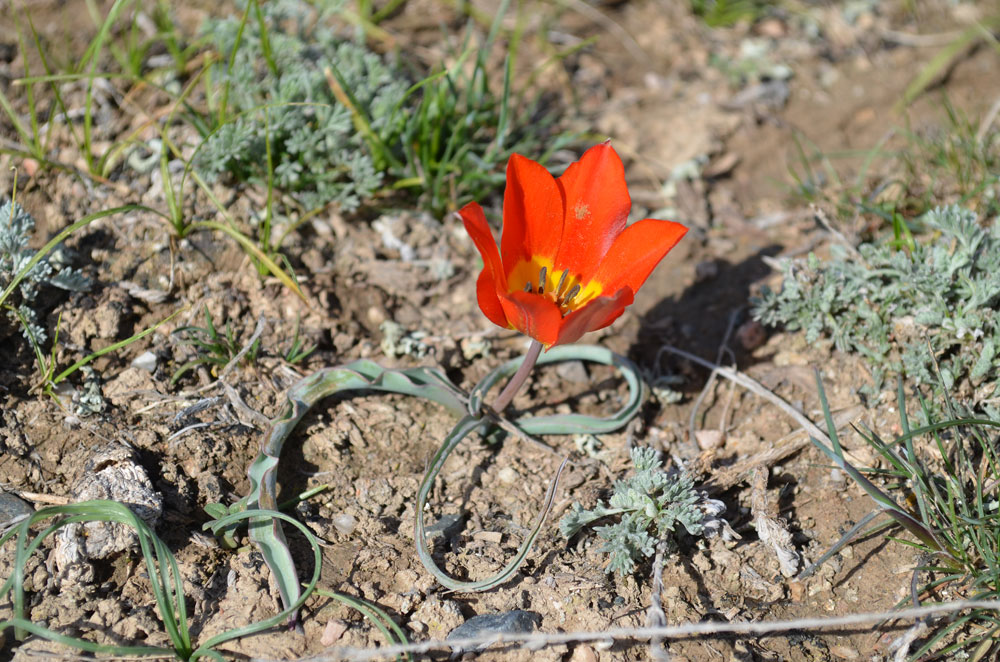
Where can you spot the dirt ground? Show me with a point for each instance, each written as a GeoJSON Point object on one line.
{"type": "Point", "coordinates": [707, 121]}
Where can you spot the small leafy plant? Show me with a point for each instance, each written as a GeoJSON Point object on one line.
{"type": "Point", "coordinates": [24, 273]}
{"type": "Point", "coordinates": [212, 347]}
{"type": "Point", "coordinates": [298, 350]}
{"type": "Point", "coordinates": [649, 500]}
{"type": "Point", "coordinates": [21, 282]}
{"type": "Point", "coordinates": [928, 305]}
{"type": "Point", "coordinates": [276, 94]}
{"type": "Point", "coordinates": [330, 121]}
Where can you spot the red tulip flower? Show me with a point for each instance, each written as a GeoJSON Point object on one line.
{"type": "Point", "coordinates": [567, 263]}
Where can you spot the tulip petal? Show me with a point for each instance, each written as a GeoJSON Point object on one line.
{"type": "Point", "coordinates": [597, 206]}
{"type": "Point", "coordinates": [489, 302]}
{"type": "Point", "coordinates": [492, 278]}
{"type": "Point", "coordinates": [597, 314]}
{"type": "Point", "coordinates": [533, 315]}
{"type": "Point", "coordinates": [636, 252]}
{"type": "Point", "coordinates": [532, 213]}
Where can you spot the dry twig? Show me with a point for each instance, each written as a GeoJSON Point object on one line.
{"type": "Point", "coordinates": [655, 617]}
{"type": "Point", "coordinates": [535, 640]}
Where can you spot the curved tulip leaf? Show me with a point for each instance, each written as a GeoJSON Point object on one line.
{"type": "Point", "coordinates": [290, 608]}
{"type": "Point", "coordinates": [464, 427]}
{"type": "Point", "coordinates": [430, 384]}
{"type": "Point", "coordinates": [361, 375]}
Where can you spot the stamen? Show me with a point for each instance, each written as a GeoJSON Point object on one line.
{"type": "Point", "coordinates": [572, 293]}
{"type": "Point", "coordinates": [541, 280]}
{"type": "Point", "coordinates": [562, 281]}
{"type": "Point", "coordinates": [527, 287]}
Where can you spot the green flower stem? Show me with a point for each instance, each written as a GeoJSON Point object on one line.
{"type": "Point", "coordinates": [517, 381]}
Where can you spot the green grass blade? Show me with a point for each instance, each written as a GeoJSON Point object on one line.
{"type": "Point", "coordinates": [893, 509]}
{"type": "Point", "coordinates": [385, 11]}
{"type": "Point", "coordinates": [21, 129]}
{"type": "Point", "coordinates": [377, 616]}
{"type": "Point", "coordinates": [254, 251]}
{"type": "Point", "coordinates": [380, 150]}
{"type": "Point", "coordinates": [36, 143]}
{"type": "Point", "coordinates": [32, 340]}
{"type": "Point", "coordinates": [831, 427]}
{"type": "Point", "coordinates": [844, 539]}
{"type": "Point", "coordinates": [504, 119]}
{"type": "Point", "coordinates": [55, 88]}
{"type": "Point", "coordinates": [265, 40]}
{"type": "Point", "coordinates": [221, 116]}
{"type": "Point", "coordinates": [940, 63]}
{"type": "Point", "coordinates": [92, 55]}
{"type": "Point", "coordinates": [494, 31]}
{"type": "Point", "coordinates": [83, 644]}
{"type": "Point", "coordinates": [113, 347]}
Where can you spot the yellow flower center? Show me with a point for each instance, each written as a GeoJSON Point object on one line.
{"type": "Point", "coordinates": [563, 288]}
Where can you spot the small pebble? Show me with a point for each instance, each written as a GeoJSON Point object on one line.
{"type": "Point", "coordinates": [375, 315]}
{"type": "Point", "coordinates": [751, 335]}
{"type": "Point", "coordinates": [475, 347]}
{"type": "Point", "coordinates": [145, 361]}
{"type": "Point", "coordinates": [583, 653]}
{"type": "Point", "coordinates": [488, 536]}
{"type": "Point", "coordinates": [446, 526]}
{"type": "Point", "coordinates": [518, 621]}
{"type": "Point", "coordinates": [508, 476]}
{"type": "Point", "coordinates": [709, 439]}
{"type": "Point", "coordinates": [12, 507]}
{"type": "Point", "coordinates": [844, 652]}
{"type": "Point", "coordinates": [573, 371]}
{"type": "Point", "coordinates": [706, 270]}
{"type": "Point", "coordinates": [334, 630]}
{"type": "Point", "coordinates": [344, 523]}
{"type": "Point", "coordinates": [773, 28]}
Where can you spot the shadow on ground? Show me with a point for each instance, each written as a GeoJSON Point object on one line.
{"type": "Point", "coordinates": [697, 321]}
